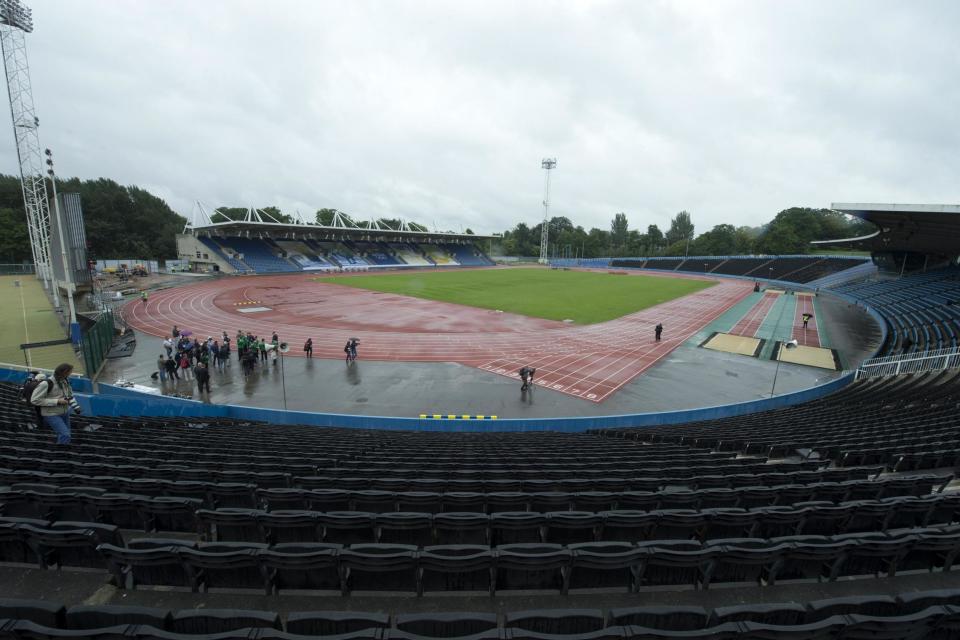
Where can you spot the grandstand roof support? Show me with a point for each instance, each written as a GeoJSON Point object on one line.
{"type": "Point", "coordinates": [15, 22]}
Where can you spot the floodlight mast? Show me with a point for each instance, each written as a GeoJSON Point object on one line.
{"type": "Point", "coordinates": [548, 164]}
{"type": "Point", "coordinates": [15, 21]}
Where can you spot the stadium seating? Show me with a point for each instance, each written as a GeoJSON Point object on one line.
{"type": "Point", "coordinates": [410, 255]}
{"type": "Point", "coordinates": [468, 255]}
{"type": "Point", "coordinates": [922, 310]}
{"type": "Point", "coordinates": [340, 254]}
{"type": "Point", "coordinates": [839, 490]}
{"type": "Point", "coordinates": [230, 258]}
{"type": "Point", "coordinates": [304, 256]}
{"type": "Point", "coordinates": [376, 253]}
{"type": "Point", "coordinates": [259, 255]}
{"type": "Point", "coordinates": [799, 269]}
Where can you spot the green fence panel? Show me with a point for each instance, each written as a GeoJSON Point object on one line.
{"type": "Point", "coordinates": [96, 343]}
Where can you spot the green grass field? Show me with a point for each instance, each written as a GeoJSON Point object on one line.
{"type": "Point", "coordinates": [28, 316]}
{"type": "Point", "coordinates": [581, 296]}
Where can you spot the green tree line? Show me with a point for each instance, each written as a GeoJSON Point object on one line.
{"type": "Point", "coordinates": [130, 222]}
{"type": "Point", "coordinates": [121, 222]}
{"type": "Point", "coordinates": [790, 232]}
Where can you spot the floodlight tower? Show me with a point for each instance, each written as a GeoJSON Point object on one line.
{"type": "Point", "coordinates": [548, 164]}
{"type": "Point", "coordinates": [15, 22]}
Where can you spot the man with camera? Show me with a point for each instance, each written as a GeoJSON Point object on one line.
{"type": "Point", "coordinates": [56, 401]}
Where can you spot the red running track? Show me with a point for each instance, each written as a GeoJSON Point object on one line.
{"type": "Point", "coordinates": [753, 319]}
{"type": "Point", "coordinates": [810, 336]}
{"type": "Point", "coordinates": [589, 361]}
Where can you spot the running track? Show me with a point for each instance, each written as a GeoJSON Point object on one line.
{"type": "Point", "coordinates": [810, 336]}
{"type": "Point", "coordinates": [751, 322]}
{"type": "Point", "coordinates": [590, 362]}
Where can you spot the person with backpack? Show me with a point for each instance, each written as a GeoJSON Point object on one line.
{"type": "Point", "coordinates": [29, 386]}
{"type": "Point", "coordinates": [55, 399]}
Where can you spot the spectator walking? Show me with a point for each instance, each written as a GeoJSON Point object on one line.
{"type": "Point", "coordinates": [262, 348]}
{"type": "Point", "coordinates": [170, 364]}
{"type": "Point", "coordinates": [162, 368]}
{"type": "Point", "coordinates": [202, 374]}
{"type": "Point", "coordinates": [168, 346]}
{"type": "Point", "coordinates": [658, 331]}
{"type": "Point", "coordinates": [308, 347]}
{"type": "Point", "coordinates": [175, 333]}
{"type": "Point", "coordinates": [225, 354]}
{"type": "Point", "coordinates": [351, 349]}
{"type": "Point", "coordinates": [55, 401]}
{"type": "Point", "coordinates": [806, 319]}
{"type": "Point", "coordinates": [215, 353]}
{"type": "Point", "coordinates": [526, 374]}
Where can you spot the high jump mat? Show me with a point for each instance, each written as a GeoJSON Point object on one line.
{"type": "Point", "coordinates": [728, 343]}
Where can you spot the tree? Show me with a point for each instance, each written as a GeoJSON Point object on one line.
{"type": "Point", "coordinates": [655, 238]}
{"type": "Point", "coordinates": [719, 241]}
{"type": "Point", "coordinates": [325, 216]}
{"type": "Point", "coordinates": [792, 230]}
{"type": "Point", "coordinates": [619, 232]}
{"type": "Point", "coordinates": [681, 228]}
{"type": "Point", "coordinates": [14, 239]}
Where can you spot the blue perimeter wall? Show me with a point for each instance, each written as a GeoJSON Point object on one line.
{"type": "Point", "coordinates": [119, 401]}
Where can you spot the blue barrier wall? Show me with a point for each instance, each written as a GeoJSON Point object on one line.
{"type": "Point", "coordinates": [118, 401]}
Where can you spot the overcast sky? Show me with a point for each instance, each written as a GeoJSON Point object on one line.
{"type": "Point", "coordinates": [440, 112]}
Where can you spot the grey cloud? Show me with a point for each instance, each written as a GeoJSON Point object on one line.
{"type": "Point", "coordinates": [441, 111]}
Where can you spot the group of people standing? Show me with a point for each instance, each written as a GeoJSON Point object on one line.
{"type": "Point", "coordinates": [187, 358]}
{"type": "Point", "coordinates": [252, 349]}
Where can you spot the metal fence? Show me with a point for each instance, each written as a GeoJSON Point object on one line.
{"type": "Point", "coordinates": [920, 362]}
{"type": "Point", "coordinates": [16, 269]}
{"type": "Point", "coordinates": [96, 343]}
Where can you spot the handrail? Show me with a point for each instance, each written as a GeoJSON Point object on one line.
{"type": "Point", "coordinates": [919, 362]}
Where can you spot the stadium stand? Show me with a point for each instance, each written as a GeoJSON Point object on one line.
{"type": "Point", "coordinates": [376, 254]}
{"type": "Point", "coordinates": [411, 255]}
{"type": "Point", "coordinates": [438, 255]}
{"type": "Point", "coordinates": [340, 254]}
{"type": "Point", "coordinates": [305, 257]}
{"type": "Point", "coordinates": [259, 255]}
{"type": "Point", "coordinates": [799, 269]}
{"type": "Point", "coordinates": [468, 255]}
{"type": "Point", "coordinates": [921, 310]}
{"type": "Point", "coordinates": [231, 257]}
{"type": "Point", "coordinates": [701, 265]}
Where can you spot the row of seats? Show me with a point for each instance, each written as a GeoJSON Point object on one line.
{"type": "Point", "coordinates": [17, 469]}
{"type": "Point", "coordinates": [814, 518]}
{"type": "Point", "coordinates": [566, 622]}
{"type": "Point", "coordinates": [215, 495]}
{"type": "Point", "coordinates": [537, 566]}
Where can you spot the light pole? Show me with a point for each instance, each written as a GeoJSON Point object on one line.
{"type": "Point", "coordinates": [547, 164]}
{"type": "Point", "coordinates": [792, 344]}
{"type": "Point", "coordinates": [282, 348]}
{"type": "Point", "coordinates": [62, 228]}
